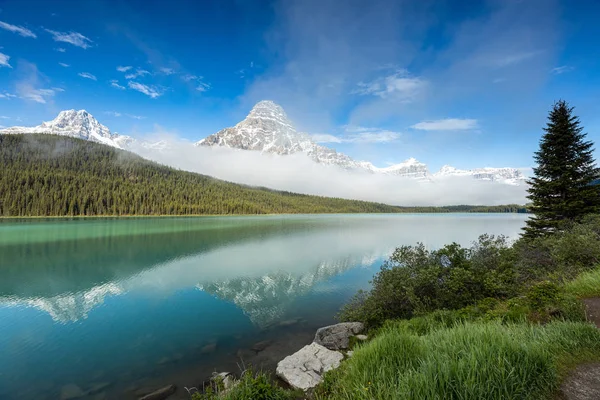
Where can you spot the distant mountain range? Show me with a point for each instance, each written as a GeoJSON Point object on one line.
{"type": "Point", "coordinates": [266, 129]}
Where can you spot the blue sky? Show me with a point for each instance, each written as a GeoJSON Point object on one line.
{"type": "Point", "coordinates": [466, 83]}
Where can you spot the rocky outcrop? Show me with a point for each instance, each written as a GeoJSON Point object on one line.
{"type": "Point", "coordinates": [337, 337]}
{"type": "Point", "coordinates": [305, 368]}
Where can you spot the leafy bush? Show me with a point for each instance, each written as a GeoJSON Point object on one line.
{"type": "Point", "coordinates": [465, 361]}
{"type": "Point", "coordinates": [415, 281]}
{"type": "Point", "coordinates": [585, 285]}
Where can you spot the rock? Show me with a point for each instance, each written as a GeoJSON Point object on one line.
{"type": "Point", "coordinates": [226, 378]}
{"type": "Point", "coordinates": [304, 369]}
{"type": "Point", "coordinates": [349, 353]}
{"type": "Point", "coordinates": [71, 391]}
{"type": "Point", "coordinates": [160, 394]}
{"type": "Point", "coordinates": [209, 348]}
{"type": "Point", "coordinates": [337, 337]}
{"type": "Point", "coordinates": [260, 346]}
{"type": "Point", "coordinates": [362, 337]}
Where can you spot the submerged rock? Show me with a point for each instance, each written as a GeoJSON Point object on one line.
{"type": "Point", "coordinates": [71, 391]}
{"type": "Point", "coordinates": [160, 394]}
{"type": "Point", "coordinates": [304, 369]}
{"type": "Point", "coordinates": [209, 348]}
{"type": "Point", "coordinates": [337, 337]}
{"type": "Point", "coordinates": [260, 346]}
{"type": "Point", "coordinates": [225, 381]}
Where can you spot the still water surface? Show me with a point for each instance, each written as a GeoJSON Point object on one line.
{"type": "Point", "coordinates": [114, 305]}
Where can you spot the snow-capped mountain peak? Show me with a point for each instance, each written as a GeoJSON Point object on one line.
{"type": "Point", "coordinates": [507, 175]}
{"type": "Point", "coordinates": [75, 123]}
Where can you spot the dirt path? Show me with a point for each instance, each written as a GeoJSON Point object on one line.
{"type": "Point", "coordinates": [584, 382]}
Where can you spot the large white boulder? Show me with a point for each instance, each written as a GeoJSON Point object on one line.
{"type": "Point", "coordinates": [305, 368]}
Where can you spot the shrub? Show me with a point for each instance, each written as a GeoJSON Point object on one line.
{"type": "Point", "coordinates": [585, 285]}
{"type": "Point", "coordinates": [250, 387]}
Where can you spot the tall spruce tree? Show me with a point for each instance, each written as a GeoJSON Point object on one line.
{"type": "Point", "coordinates": [561, 188]}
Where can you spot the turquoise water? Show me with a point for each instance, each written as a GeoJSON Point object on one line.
{"type": "Point", "coordinates": [141, 302]}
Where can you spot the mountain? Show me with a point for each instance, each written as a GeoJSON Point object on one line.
{"type": "Point", "coordinates": [505, 175]}
{"type": "Point", "coordinates": [268, 129]}
{"type": "Point", "coordinates": [78, 124]}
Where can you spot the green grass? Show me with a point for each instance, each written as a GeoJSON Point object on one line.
{"type": "Point", "coordinates": [585, 285]}
{"type": "Point", "coordinates": [470, 360]}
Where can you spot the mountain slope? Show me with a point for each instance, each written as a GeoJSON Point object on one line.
{"type": "Point", "coordinates": [78, 124]}
{"type": "Point", "coordinates": [46, 175]}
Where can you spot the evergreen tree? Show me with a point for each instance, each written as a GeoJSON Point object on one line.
{"type": "Point", "coordinates": [561, 189]}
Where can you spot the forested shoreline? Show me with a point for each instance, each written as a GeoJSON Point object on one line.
{"type": "Point", "coordinates": [47, 176]}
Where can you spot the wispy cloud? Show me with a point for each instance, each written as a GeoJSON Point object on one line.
{"type": "Point", "coordinates": [190, 77]}
{"type": "Point", "coordinates": [4, 60]}
{"type": "Point", "coordinates": [202, 86]}
{"type": "Point", "coordinates": [63, 65]}
{"type": "Point", "coordinates": [505, 60]}
{"type": "Point", "coordinates": [138, 72]}
{"type": "Point", "coordinates": [115, 83]}
{"type": "Point", "coordinates": [118, 114]}
{"type": "Point", "coordinates": [167, 71]}
{"type": "Point", "coordinates": [37, 95]}
{"type": "Point", "coordinates": [358, 134]}
{"type": "Point", "coordinates": [449, 124]}
{"type": "Point", "coordinates": [125, 68]}
{"type": "Point", "coordinates": [61, 49]}
{"type": "Point", "coordinates": [87, 75]}
{"type": "Point", "coordinates": [18, 30]}
{"type": "Point", "coordinates": [7, 96]}
{"type": "Point", "coordinates": [400, 84]}
{"type": "Point", "coordinates": [150, 91]}
{"type": "Point", "coordinates": [30, 86]}
{"type": "Point", "coordinates": [74, 38]}
{"type": "Point", "coordinates": [561, 70]}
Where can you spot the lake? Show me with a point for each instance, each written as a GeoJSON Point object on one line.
{"type": "Point", "coordinates": [117, 305]}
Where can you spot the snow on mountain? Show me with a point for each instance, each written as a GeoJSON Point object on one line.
{"type": "Point", "coordinates": [506, 175]}
{"type": "Point", "coordinates": [79, 124]}
{"type": "Point", "coordinates": [410, 168]}
{"type": "Point", "coordinates": [267, 129]}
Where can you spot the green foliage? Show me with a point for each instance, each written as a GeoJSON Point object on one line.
{"type": "Point", "coordinates": [585, 285]}
{"type": "Point", "coordinates": [415, 281]}
{"type": "Point", "coordinates": [250, 387]}
{"type": "Point", "coordinates": [46, 175]}
{"type": "Point", "coordinates": [468, 360]}
{"type": "Point", "coordinates": [561, 189]}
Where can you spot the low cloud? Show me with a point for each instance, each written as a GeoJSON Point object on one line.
{"type": "Point", "coordinates": [358, 134]}
{"type": "Point", "coordinates": [20, 30]}
{"type": "Point", "coordinates": [150, 91]}
{"type": "Point", "coordinates": [74, 38]}
{"type": "Point", "coordinates": [298, 173]}
{"type": "Point", "coordinates": [87, 75]}
{"type": "Point", "coordinates": [449, 124]}
{"type": "Point", "coordinates": [4, 60]}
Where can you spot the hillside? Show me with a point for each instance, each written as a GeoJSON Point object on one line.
{"type": "Point", "coordinates": [48, 175]}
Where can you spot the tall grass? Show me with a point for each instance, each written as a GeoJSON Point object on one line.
{"type": "Point", "coordinates": [471, 360]}
{"type": "Point", "coordinates": [586, 284]}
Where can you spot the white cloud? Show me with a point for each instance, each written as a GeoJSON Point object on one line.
{"type": "Point", "coordinates": [561, 70]}
{"type": "Point", "coordinates": [190, 77]}
{"type": "Point", "coordinates": [4, 60]}
{"type": "Point", "coordinates": [63, 65]}
{"type": "Point", "coordinates": [87, 75]}
{"type": "Point", "coordinates": [118, 114]}
{"type": "Point", "coordinates": [4, 117]}
{"type": "Point", "coordinates": [137, 73]}
{"type": "Point", "coordinates": [61, 50]}
{"type": "Point", "coordinates": [298, 173]}
{"type": "Point", "coordinates": [150, 91]}
{"type": "Point", "coordinates": [400, 85]}
{"type": "Point", "coordinates": [113, 113]}
{"type": "Point", "coordinates": [167, 71]}
{"type": "Point", "coordinates": [115, 83]}
{"type": "Point", "coordinates": [449, 124]}
{"type": "Point", "coordinates": [8, 96]}
{"type": "Point", "coordinates": [37, 95]}
{"type": "Point", "coordinates": [30, 86]}
{"type": "Point", "coordinates": [202, 86]}
{"type": "Point", "coordinates": [359, 134]}
{"type": "Point", "coordinates": [135, 116]}
{"type": "Point", "coordinates": [505, 60]}
{"type": "Point", "coordinates": [74, 38]}
{"type": "Point", "coordinates": [325, 138]}
{"type": "Point", "coordinates": [124, 68]}
{"type": "Point", "coordinates": [18, 29]}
